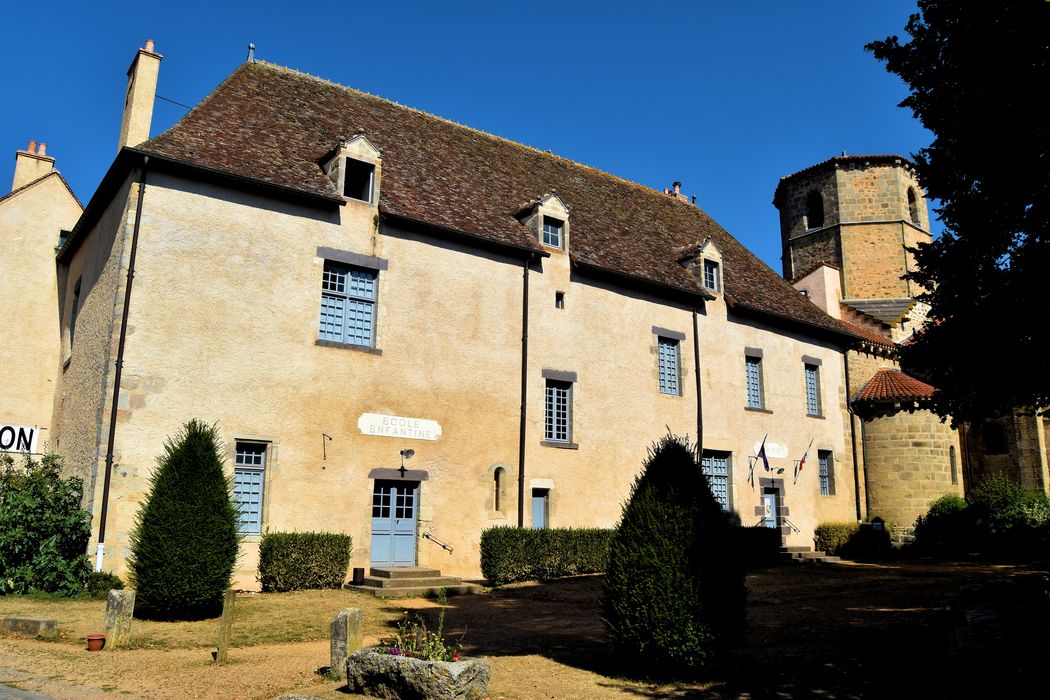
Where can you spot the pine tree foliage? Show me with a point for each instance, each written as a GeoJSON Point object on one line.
{"type": "Point", "coordinates": [977, 73]}
{"type": "Point", "coordinates": [673, 593]}
{"type": "Point", "coordinates": [184, 544]}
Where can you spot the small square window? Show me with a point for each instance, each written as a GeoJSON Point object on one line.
{"type": "Point", "coordinates": [358, 178]}
{"type": "Point", "coordinates": [559, 300]}
{"type": "Point", "coordinates": [711, 275]}
{"type": "Point", "coordinates": [552, 232]}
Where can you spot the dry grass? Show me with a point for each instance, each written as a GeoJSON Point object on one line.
{"type": "Point", "coordinates": [273, 618]}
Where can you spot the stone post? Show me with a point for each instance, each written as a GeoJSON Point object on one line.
{"type": "Point", "coordinates": [225, 626]}
{"type": "Point", "coordinates": [120, 606]}
{"type": "Point", "coordinates": [346, 639]}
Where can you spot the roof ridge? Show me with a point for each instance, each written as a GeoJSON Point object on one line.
{"type": "Point", "coordinates": [29, 184]}
{"type": "Point", "coordinates": [446, 120]}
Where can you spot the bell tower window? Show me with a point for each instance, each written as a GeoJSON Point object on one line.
{"type": "Point", "coordinates": [814, 210]}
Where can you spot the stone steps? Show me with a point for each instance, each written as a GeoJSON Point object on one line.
{"type": "Point", "coordinates": [806, 555]}
{"type": "Point", "coordinates": [411, 582]}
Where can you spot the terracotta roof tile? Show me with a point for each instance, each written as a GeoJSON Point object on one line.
{"type": "Point", "coordinates": [893, 385]}
{"type": "Point", "coordinates": [273, 124]}
{"type": "Point", "coordinates": [870, 335]}
{"type": "Point", "coordinates": [842, 160]}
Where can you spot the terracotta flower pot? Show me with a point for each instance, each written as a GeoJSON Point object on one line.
{"type": "Point", "coordinates": [95, 642]}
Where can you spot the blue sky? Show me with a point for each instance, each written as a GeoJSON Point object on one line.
{"type": "Point", "coordinates": [726, 97]}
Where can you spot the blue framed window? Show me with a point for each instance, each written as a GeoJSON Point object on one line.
{"type": "Point", "coordinates": [753, 372]}
{"type": "Point", "coordinates": [552, 232]}
{"type": "Point", "coordinates": [715, 466]}
{"type": "Point", "coordinates": [826, 473]}
{"type": "Point", "coordinates": [558, 411]}
{"type": "Point", "coordinates": [667, 365]}
{"type": "Point", "coordinates": [812, 390]}
{"type": "Point", "coordinates": [348, 304]}
{"type": "Point", "coordinates": [249, 472]}
{"type": "Point", "coordinates": [711, 275]}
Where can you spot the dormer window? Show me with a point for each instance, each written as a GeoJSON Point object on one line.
{"type": "Point", "coordinates": [355, 167]}
{"type": "Point", "coordinates": [552, 231]}
{"type": "Point", "coordinates": [711, 281]}
{"type": "Point", "coordinates": [358, 180]}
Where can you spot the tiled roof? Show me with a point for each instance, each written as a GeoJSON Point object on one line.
{"type": "Point", "coordinates": [894, 385]}
{"type": "Point", "coordinates": [869, 335]}
{"type": "Point", "coordinates": [276, 125]}
{"type": "Point", "coordinates": [889, 311]}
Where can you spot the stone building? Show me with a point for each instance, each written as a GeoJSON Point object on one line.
{"type": "Point", "coordinates": [846, 226]}
{"type": "Point", "coordinates": [33, 215]}
{"type": "Point", "coordinates": [335, 279]}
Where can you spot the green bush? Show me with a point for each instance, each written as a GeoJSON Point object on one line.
{"type": "Point", "coordinates": [43, 531]}
{"type": "Point", "coordinates": [184, 543]}
{"type": "Point", "coordinates": [293, 561]}
{"type": "Point", "coordinates": [946, 529]}
{"type": "Point", "coordinates": [834, 537]}
{"type": "Point", "coordinates": [673, 594]}
{"type": "Point", "coordinates": [100, 583]}
{"type": "Point", "coordinates": [1009, 521]}
{"type": "Point", "coordinates": [510, 554]}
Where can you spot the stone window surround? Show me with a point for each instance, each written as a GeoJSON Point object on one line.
{"type": "Point", "coordinates": [368, 262]}
{"type": "Point", "coordinates": [551, 205]}
{"type": "Point", "coordinates": [757, 354]}
{"type": "Point", "coordinates": [817, 362]}
{"type": "Point", "coordinates": [271, 443]}
{"type": "Point", "coordinates": [571, 378]}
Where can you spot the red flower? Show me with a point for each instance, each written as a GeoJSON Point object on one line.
{"type": "Point", "coordinates": [455, 656]}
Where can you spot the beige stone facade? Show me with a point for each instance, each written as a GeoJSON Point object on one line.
{"type": "Point", "coordinates": [32, 218]}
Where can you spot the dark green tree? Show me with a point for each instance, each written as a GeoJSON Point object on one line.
{"type": "Point", "coordinates": [673, 593]}
{"type": "Point", "coordinates": [977, 72]}
{"type": "Point", "coordinates": [43, 530]}
{"type": "Point", "coordinates": [184, 543]}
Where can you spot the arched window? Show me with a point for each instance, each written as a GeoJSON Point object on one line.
{"type": "Point", "coordinates": [913, 206]}
{"type": "Point", "coordinates": [814, 210]}
{"type": "Point", "coordinates": [498, 477]}
{"type": "Point", "coordinates": [994, 435]}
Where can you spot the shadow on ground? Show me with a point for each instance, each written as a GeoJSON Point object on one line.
{"type": "Point", "coordinates": [852, 631]}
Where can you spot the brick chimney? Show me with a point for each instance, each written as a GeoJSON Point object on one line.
{"type": "Point", "coordinates": [32, 164]}
{"type": "Point", "coordinates": [138, 101]}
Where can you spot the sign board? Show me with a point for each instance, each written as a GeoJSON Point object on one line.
{"type": "Point", "coordinates": [19, 438]}
{"type": "Point", "coordinates": [398, 427]}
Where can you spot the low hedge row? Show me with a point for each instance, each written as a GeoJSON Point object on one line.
{"type": "Point", "coordinates": [510, 554]}
{"type": "Point", "coordinates": [292, 561]}
{"type": "Point", "coordinates": [833, 537]}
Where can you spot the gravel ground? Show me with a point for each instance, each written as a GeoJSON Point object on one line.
{"type": "Point", "coordinates": [833, 631]}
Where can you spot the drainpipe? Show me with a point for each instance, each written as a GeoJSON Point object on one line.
{"type": "Point", "coordinates": [524, 388]}
{"type": "Point", "coordinates": [101, 550]}
{"type": "Point", "coordinates": [699, 389]}
{"type": "Point", "coordinates": [853, 439]}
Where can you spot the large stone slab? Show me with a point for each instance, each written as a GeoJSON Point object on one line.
{"type": "Point", "coordinates": [120, 605]}
{"type": "Point", "coordinates": [30, 627]}
{"type": "Point", "coordinates": [346, 639]}
{"type": "Point", "coordinates": [404, 678]}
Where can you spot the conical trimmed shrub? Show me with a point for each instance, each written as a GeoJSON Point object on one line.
{"type": "Point", "coordinates": [184, 544]}
{"type": "Point", "coordinates": [673, 593]}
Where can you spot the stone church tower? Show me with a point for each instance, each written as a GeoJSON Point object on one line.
{"type": "Point", "coordinates": [859, 214]}
{"type": "Point", "coordinates": [846, 224]}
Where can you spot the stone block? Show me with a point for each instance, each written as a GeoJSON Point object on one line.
{"type": "Point", "coordinates": [39, 628]}
{"type": "Point", "coordinates": [347, 636]}
{"type": "Point", "coordinates": [388, 676]}
{"type": "Point", "coordinates": [120, 605]}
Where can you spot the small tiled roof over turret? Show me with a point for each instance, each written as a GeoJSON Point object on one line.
{"type": "Point", "coordinates": [893, 385]}
{"type": "Point", "coordinates": [275, 125]}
